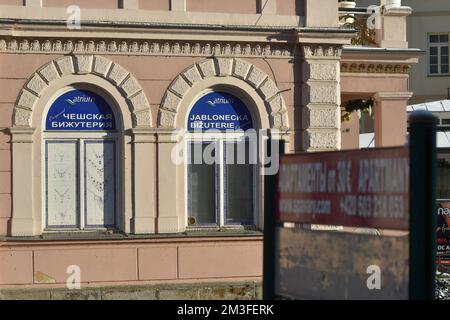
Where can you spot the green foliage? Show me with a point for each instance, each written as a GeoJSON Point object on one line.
{"type": "Point", "coordinates": [355, 105]}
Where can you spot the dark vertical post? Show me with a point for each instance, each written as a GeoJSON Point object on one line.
{"type": "Point", "coordinates": [270, 204]}
{"type": "Point", "coordinates": [422, 235]}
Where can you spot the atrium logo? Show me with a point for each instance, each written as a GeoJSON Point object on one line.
{"type": "Point", "coordinates": [222, 100]}
{"type": "Point", "coordinates": [78, 99]}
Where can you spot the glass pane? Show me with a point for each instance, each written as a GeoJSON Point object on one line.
{"type": "Point", "coordinates": [202, 185]}
{"type": "Point", "coordinates": [444, 50]}
{"type": "Point", "coordinates": [433, 51]}
{"type": "Point", "coordinates": [444, 59]}
{"type": "Point", "coordinates": [443, 38]}
{"type": "Point", "coordinates": [239, 183]}
{"type": "Point", "coordinates": [99, 181]}
{"type": "Point", "coordinates": [444, 68]}
{"type": "Point", "coordinates": [434, 38]}
{"type": "Point", "coordinates": [61, 184]}
{"type": "Point", "coordinates": [433, 69]}
{"type": "Point", "coordinates": [433, 59]}
{"type": "Point", "coordinates": [443, 176]}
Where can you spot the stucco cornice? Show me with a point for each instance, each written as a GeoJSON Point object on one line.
{"type": "Point", "coordinates": [378, 60]}
{"type": "Point", "coordinates": [144, 47]}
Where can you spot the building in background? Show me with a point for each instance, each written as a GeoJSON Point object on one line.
{"type": "Point", "coordinates": [90, 118]}
{"type": "Point", "coordinates": [428, 29]}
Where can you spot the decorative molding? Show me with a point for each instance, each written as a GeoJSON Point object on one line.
{"type": "Point", "coordinates": [383, 96]}
{"type": "Point", "coordinates": [141, 47]}
{"type": "Point", "coordinates": [375, 68]}
{"type": "Point", "coordinates": [99, 66]}
{"type": "Point", "coordinates": [321, 51]}
{"type": "Point", "coordinates": [217, 67]}
{"type": "Point", "coordinates": [22, 134]}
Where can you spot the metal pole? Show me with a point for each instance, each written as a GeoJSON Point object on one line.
{"type": "Point", "coordinates": [422, 223]}
{"type": "Point", "coordinates": [270, 189]}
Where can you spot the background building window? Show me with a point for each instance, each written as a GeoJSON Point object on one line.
{"type": "Point", "coordinates": [438, 54]}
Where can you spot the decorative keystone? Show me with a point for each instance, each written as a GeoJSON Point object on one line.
{"type": "Point", "coordinates": [83, 63]}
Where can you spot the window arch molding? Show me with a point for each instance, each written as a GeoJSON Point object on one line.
{"type": "Point", "coordinates": [235, 76]}
{"type": "Point", "coordinates": [88, 71]}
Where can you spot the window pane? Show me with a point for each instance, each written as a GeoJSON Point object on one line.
{"type": "Point", "coordinates": [443, 38]}
{"type": "Point", "coordinates": [202, 185]}
{"type": "Point", "coordinates": [99, 182]}
{"type": "Point", "coordinates": [61, 184]}
{"type": "Point", "coordinates": [239, 183]}
{"type": "Point", "coordinates": [434, 38]}
{"type": "Point", "coordinates": [433, 59]}
{"type": "Point", "coordinates": [444, 68]}
{"type": "Point", "coordinates": [433, 69]}
{"type": "Point", "coordinates": [433, 51]}
{"type": "Point", "coordinates": [444, 59]}
{"type": "Point", "coordinates": [444, 50]}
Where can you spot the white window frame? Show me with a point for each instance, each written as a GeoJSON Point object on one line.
{"type": "Point", "coordinates": [81, 137]}
{"type": "Point", "coordinates": [220, 139]}
{"type": "Point", "coordinates": [438, 45]}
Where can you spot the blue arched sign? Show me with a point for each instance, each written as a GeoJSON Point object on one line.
{"type": "Point", "coordinates": [219, 111]}
{"type": "Point", "coordinates": [80, 110]}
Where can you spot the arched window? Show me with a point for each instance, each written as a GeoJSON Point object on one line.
{"type": "Point", "coordinates": [81, 162]}
{"type": "Point", "coordinates": [222, 167]}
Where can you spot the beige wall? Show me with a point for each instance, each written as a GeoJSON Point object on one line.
{"type": "Point", "coordinates": [229, 6]}
{"type": "Point", "coordinates": [131, 262]}
{"type": "Point", "coordinates": [281, 7]}
{"type": "Point", "coordinates": [11, 2]}
{"type": "Point", "coordinates": [154, 5]}
{"type": "Point", "coordinates": [13, 75]}
{"type": "Point", "coordinates": [290, 7]}
{"type": "Point", "coordinates": [104, 4]}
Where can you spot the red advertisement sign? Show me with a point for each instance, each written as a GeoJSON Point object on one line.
{"type": "Point", "coordinates": [443, 232]}
{"type": "Point", "coordinates": [362, 188]}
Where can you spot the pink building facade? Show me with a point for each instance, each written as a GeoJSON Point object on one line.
{"type": "Point", "coordinates": [107, 196]}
